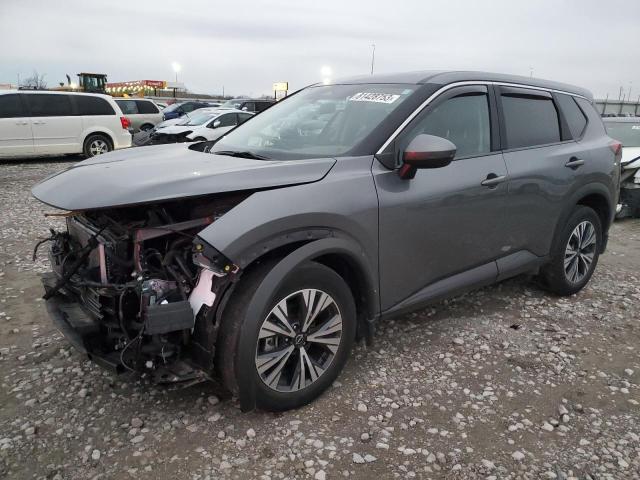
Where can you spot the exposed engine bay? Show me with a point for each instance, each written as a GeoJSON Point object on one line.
{"type": "Point", "coordinates": [136, 289]}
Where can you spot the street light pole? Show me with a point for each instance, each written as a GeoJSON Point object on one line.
{"type": "Point", "coordinates": [373, 56]}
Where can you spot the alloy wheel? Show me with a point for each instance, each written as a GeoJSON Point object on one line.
{"type": "Point", "coordinates": [298, 340]}
{"type": "Point", "coordinates": [98, 147]}
{"type": "Point", "coordinates": [580, 252]}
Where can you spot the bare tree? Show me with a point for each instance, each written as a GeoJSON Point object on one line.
{"type": "Point", "coordinates": [35, 81]}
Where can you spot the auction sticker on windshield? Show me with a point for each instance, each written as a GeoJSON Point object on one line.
{"type": "Point", "coordinates": [374, 97]}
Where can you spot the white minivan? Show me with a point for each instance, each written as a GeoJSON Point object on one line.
{"type": "Point", "coordinates": [56, 123]}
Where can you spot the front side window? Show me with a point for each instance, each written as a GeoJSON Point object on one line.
{"type": "Point", "coordinates": [319, 121]}
{"type": "Point", "coordinates": [243, 117]}
{"type": "Point", "coordinates": [128, 107]}
{"type": "Point", "coordinates": [227, 120]}
{"type": "Point", "coordinates": [530, 120]}
{"type": "Point", "coordinates": [11, 106]}
{"type": "Point", "coordinates": [464, 120]}
{"type": "Point", "coordinates": [49, 105]}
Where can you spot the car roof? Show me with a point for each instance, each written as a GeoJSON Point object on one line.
{"type": "Point", "coordinates": [444, 77]}
{"type": "Point", "coordinates": [55, 92]}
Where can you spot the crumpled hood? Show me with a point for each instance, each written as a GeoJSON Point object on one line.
{"type": "Point", "coordinates": [175, 129]}
{"type": "Point", "coordinates": [164, 172]}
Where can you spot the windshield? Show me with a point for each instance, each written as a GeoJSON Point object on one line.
{"type": "Point", "coordinates": [199, 118]}
{"type": "Point", "coordinates": [627, 133]}
{"type": "Point", "coordinates": [320, 121]}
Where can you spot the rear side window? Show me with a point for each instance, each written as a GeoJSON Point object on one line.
{"type": "Point", "coordinates": [128, 107]}
{"type": "Point", "coordinates": [11, 106]}
{"type": "Point", "coordinates": [49, 105]}
{"type": "Point", "coordinates": [572, 114]}
{"type": "Point", "coordinates": [87, 105]}
{"type": "Point", "coordinates": [530, 120]}
{"type": "Point", "coordinates": [146, 107]}
{"type": "Point", "coordinates": [464, 120]}
{"type": "Point", "coordinates": [188, 107]}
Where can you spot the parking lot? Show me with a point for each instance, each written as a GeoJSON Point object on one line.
{"type": "Point", "coordinates": [506, 382]}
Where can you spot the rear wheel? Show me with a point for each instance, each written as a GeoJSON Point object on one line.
{"type": "Point", "coordinates": [575, 253]}
{"type": "Point", "coordinates": [146, 127]}
{"type": "Point", "coordinates": [96, 145]}
{"type": "Point", "coordinates": [299, 343]}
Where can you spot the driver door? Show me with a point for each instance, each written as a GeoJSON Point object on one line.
{"type": "Point", "coordinates": [445, 221]}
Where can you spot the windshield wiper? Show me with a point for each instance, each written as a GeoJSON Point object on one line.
{"type": "Point", "coordinates": [239, 154]}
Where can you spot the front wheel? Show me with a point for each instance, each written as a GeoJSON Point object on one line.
{"type": "Point", "coordinates": [299, 343]}
{"type": "Point", "coordinates": [575, 253]}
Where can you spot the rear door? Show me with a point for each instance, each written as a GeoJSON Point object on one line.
{"type": "Point", "coordinates": [16, 137]}
{"type": "Point", "coordinates": [544, 162]}
{"type": "Point", "coordinates": [446, 220]}
{"type": "Point", "coordinates": [56, 129]}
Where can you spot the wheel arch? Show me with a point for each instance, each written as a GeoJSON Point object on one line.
{"type": "Point", "coordinates": [339, 254]}
{"type": "Point", "coordinates": [102, 133]}
{"type": "Point", "coordinates": [596, 196]}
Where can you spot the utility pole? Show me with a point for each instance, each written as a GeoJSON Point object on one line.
{"type": "Point", "coordinates": [373, 56]}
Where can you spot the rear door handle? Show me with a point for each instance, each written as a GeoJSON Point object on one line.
{"type": "Point", "coordinates": [22, 123]}
{"type": "Point", "coordinates": [38, 123]}
{"type": "Point", "coordinates": [574, 163]}
{"type": "Point", "coordinates": [493, 180]}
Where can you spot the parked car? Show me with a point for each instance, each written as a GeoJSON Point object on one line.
{"type": "Point", "coordinates": [34, 122]}
{"type": "Point", "coordinates": [179, 109]}
{"type": "Point", "coordinates": [627, 131]}
{"type": "Point", "coordinates": [261, 261]}
{"type": "Point", "coordinates": [248, 104]}
{"type": "Point", "coordinates": [209, 124]}
{"type": "Point", "coordinates": [144, 114]}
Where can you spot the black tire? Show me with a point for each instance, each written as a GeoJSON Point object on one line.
{"type": "Point", "coordinates": [146, 127]}
{"type": "Point", "coordinates": [236, 360]}
{"type": "Point", "coordinates": [96, 144]}
{"type": "Point", "coordinates": [555, 278]}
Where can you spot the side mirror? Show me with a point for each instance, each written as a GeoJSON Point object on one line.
{"type": "Point", "coordinates": [426, 151]}
{"type": "Point", "coordinates": [216, 124]}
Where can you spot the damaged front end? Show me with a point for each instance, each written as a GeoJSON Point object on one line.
{"type": "Point", "coordinates": [136, 289]}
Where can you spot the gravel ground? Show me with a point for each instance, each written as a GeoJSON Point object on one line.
{"type": "Point", "coordinates": [503, 383]}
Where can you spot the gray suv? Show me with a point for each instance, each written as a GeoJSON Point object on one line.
{"type": "Point", "coordinates": [259, 259]}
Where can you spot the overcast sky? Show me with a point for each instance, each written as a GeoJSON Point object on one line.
{"type": "Point", "coordinates": [245, 46]}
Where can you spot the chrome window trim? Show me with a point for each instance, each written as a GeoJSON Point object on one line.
{"type": "Point", "coordinates": [444, 88]}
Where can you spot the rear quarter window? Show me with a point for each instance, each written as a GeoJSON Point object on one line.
{"type": "Point", "coordinates": [86, 105]}
{"type": "Point", "coordinates": [574, 116]}
{"type": "Point", "coordinates": [529, 120]}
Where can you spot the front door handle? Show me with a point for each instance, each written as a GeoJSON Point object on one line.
{"type": "Point", "coordinates": [574, 162]}
{"type": "Point", "coordinates": [493, 180]}
{"type": "Point", "coordinates": [38, 123]}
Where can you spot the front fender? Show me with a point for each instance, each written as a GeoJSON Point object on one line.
{"type": "Point", "coordinates": [272, 283]}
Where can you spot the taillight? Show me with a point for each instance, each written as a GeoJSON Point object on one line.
{"type": "Point", "coordinates": [126, 123]}
{"type": "Point", "coordinates": [616, 147]}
